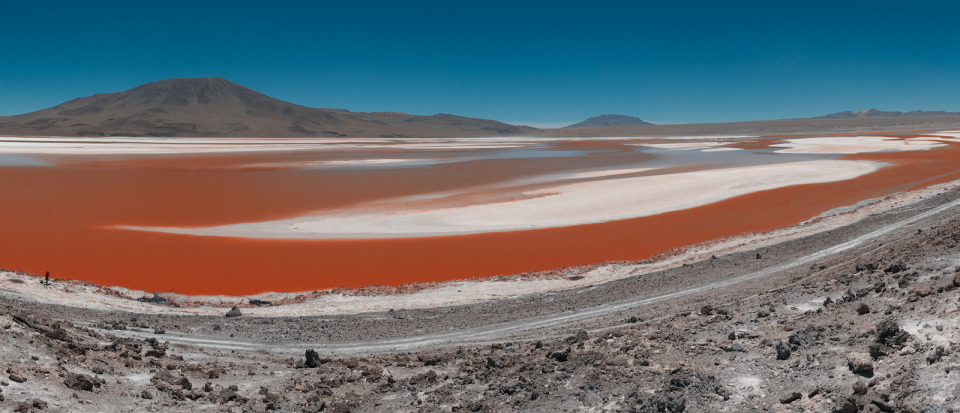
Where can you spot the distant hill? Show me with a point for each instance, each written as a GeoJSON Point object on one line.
{"type": "Point", "coordinates": [609, 120]}
{"type": "Point", "coordinates": [218, 107]}
{"type": "Point", "coordinates": [873, 113]}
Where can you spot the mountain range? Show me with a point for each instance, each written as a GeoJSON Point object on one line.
{"type": "Point", "coordinates": [211, 106]}
{"type": "Point", "coordinates": [873, 113]}
{"type": "Point", "coordinates": [609, 120]}
{"type": "Point", "coordinates": [214, 106]}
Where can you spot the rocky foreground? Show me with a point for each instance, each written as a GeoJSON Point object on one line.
{"type": "Point", "coordinates": [875, 330]}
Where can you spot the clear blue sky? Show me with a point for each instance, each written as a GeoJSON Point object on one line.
{"type": "Point", "coordinates": [514, 61]}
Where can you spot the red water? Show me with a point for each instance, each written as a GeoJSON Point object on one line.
{"type": "Point", "coordinates": [53, 219]}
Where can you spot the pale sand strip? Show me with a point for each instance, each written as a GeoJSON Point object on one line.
{"type": "Point", "coordinates": [854, 144]}
{"type": "Point", "coordinates": [345, 162]}
{"type": "Point", "coordinates": [721, 149]}
{"type": "Point", "coordinates": [686, 146]}
{"type": "Point", "coordinates": [609, 172]}
{"type": "Point", "coordinates": [119, 146]}
{"type": "Point", "coordinates": [557, 206]}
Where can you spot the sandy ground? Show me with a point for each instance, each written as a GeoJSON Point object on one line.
{"type": "Point", "coordinates": [854, 144]}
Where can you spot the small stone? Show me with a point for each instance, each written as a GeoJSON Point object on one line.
{"type": "Point", "coordinates": [676, 405]}
{"type": "Point", "coordinates": [17, 378]}
{"type": "Point", "coordinates": [234, 312]}
{"type": "Point", "coordinates": [146, 395]}
{"type": "Point", "coordinates": [763, 313]}
{"type": "Point", "coordinates": [845, 406]}
{"type": "Point", "coordinates": [561, 355]}
{"type": "Point", "coordinates": [788, 397]}
{"type": "Point", "coordinates": [783, 350]}
{"type": "Point", "coordinates": [159, 330]}
{"type": "Point", "coordinates": [860, 363]}
{"type": "Point", "coordinates": [312, 358]}
{"type": "Point", "coordinates": [863, 309]}
{"type": "Point", "coordinates": [860, 387]}
{"type": "Point", "coordinates": [79, 382]}
{"type": "Point", "coordinates": [895, 268]}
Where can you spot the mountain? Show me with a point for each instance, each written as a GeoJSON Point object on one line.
{"type": "Point", "coordinates": [873, 113]}
{"type": "Point", "coordinates": [609, 120]}
{"type": "Point", "coordinates": [218, 107]}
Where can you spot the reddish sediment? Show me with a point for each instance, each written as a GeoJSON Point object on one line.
{"type": "Point", "coordinates": [54, 219]}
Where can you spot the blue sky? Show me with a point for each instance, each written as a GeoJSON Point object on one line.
{"type": "Point", "coordinates": [520, 61]}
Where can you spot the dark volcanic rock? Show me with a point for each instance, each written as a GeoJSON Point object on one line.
{"type": "Point", "coordinates": [890, 334]}
{"type": "Point", "coordinates": [561, 355]}
{"type": "Point", "coordinates": [895, 268]}
{"type": "Point", "coordinates": [870, 266]}
{"type": "Point", "coordinates": [788, 397]}
{"type": "Point", "coordinates": [805, 337]}
{"type": "Point", "coordinates": [79, 382]}
{"type": "Point", "coordinates": [860, 363]}
{"type": "Point", "coordinates": [156, 299]}
{"type": "Point", "coordinates": [234, 312]}
{"type": "Point", "coordinates": [312, 358]}
{"type": "Point", "coordinates": [783, 351]}
{"type": "Point", "coordinates": [676, 404]}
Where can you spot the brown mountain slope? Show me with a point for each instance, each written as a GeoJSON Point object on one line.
{"type": "Point", "coordinates": [217, 107]}
{"type": "Point", "coordinates": [873, 113]}
{"type": "Point", "coordinates": [609, 120]}
{"type": "Point", "coordinates": [767, 127]}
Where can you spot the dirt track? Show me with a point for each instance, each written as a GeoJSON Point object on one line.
{"type": "Point", "coordinates": [539, 326]}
